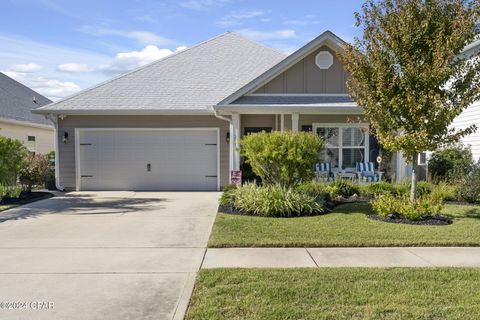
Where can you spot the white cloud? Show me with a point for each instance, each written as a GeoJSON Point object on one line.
{"type": "Point", "coordinates": [141, 37]}
{"type": "Point", "coordinates": [202, 4]}
{"type": "Point", "coordinates": [51, 88]}
{"type": "Point", "coordinates": [125, 61]}
{"type": "Point", "coordinates": [26, 68]}
{"type": "Point", "coordinates": [258, 35]}
{"type": "Point", "coordinates": [235, 17]}
{"type": "Point", "coordinates": [75, 68]}
{"type": "Point", "coordinates": [305, 20]}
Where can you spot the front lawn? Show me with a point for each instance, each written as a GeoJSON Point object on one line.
{"type": "Point", "coordinates": [336, 293]}
{"type": "Point", "coordinates": [347, 226]}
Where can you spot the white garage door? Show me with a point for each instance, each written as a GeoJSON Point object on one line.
{"type": "Point", "coordinates": [147, 159]}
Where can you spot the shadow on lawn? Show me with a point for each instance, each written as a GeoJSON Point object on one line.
{"type": "Point", "coordinates": [353, 208]}
{"type": "Point", "coordinates": [83, 205]}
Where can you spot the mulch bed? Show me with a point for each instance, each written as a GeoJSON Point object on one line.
{"type": "Point", "coordinates": [26, 197]}
{"type": "Point", "coordinates": [438, 220]}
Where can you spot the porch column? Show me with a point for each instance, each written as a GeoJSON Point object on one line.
{"type": "Point", "coordinates": [282, 122]}
{"type": "Point", "coordinates": [295, 117]}
{"type": "Point", "coordinates": [234, 141]}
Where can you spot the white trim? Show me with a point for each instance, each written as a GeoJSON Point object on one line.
{"type": "Point", "coordinates": [136, 111]}
{"type": "Point", "coordinates": [295, 120]}
{"type": "Point", "coordinates": [78, 131]}
{"type": "Point", "coordinates": [235, 139]}
{"type": "Point", "coordinates": [297, 95]}
{"type": "Point", "coordinates": [27, 124]}
{"type": "Point", "coordinates": [278, 109]}
{"type": "Point", "coordinates": [78, 186]}
{"type": "Point", "coordinates": [340, 147]}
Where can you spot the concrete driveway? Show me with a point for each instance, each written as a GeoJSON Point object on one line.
{"type": "Point", "coordinates": [104, 255]}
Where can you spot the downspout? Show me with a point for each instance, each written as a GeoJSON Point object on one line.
{"type": "Point", "coordinates": [230, 153]}
{"type": "Point", "coordinates": [54, 119]}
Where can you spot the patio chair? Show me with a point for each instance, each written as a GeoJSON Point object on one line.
{"type": "Point", "coordinates": [366, 172]}
{"type": "Point", "coordinates": [323, 171]}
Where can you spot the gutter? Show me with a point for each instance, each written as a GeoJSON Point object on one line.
{"type": "Point", "coordinates": [54, 119]}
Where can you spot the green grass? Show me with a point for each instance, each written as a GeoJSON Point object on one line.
{"type": "Point", "coordinates": [4, 207]}
{"type": "Point", "coordinates": [336, 293]}
{"type": "Point", "coordinates": [347, 226]}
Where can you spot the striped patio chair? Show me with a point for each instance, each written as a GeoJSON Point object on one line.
{"type": "Point", "coordinates": [366, 172]}
{"type": "Point", "coordinates": [323, 171]}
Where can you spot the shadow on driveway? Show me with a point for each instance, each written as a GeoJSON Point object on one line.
{"type": "Point", "coordinates": [83, 204]}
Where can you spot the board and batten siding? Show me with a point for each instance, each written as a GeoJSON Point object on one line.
{"type": "Point", "coordinates": [67, 150]}
{"type": "Point", "coordinates": [470, 116]}
{"type": "Point", "coordinates": [306, 77]}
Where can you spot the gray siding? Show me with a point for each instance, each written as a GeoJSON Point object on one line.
{"type": "Point", "coordinates": [306, 77]}
{"type": "Point", "coordinates": [67, 150]}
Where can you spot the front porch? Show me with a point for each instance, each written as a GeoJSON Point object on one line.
{"type": "Point", "coordinates": [347, 138]}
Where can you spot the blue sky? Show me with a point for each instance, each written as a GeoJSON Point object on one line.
{"type": "Point", "coordinates": [58, 47]}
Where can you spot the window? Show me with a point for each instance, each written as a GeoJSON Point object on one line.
{"type": "Point", "coordinates": [345, 145]}
{"type": "Point", "coordinates": [31, 144]}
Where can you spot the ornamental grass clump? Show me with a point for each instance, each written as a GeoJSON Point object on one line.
{"type": "Point", "coordinates": [273, 201]}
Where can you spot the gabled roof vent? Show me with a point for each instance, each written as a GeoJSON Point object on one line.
{"type": "Point", "coordinates": [324, 60]}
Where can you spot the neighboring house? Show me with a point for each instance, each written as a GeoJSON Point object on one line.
{"type": "Point", "coordinates": [471, 115]}
{"type": "Point", "coordinates": [18, 122]}
{"type": "Point", "coordinates": [175, 124]}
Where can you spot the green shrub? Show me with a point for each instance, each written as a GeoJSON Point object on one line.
{"type": "Point", "coordinates": [423, 188]}
{"type": "Point", "coordinates": [283, 158]}
{"type": "Point", "coordinates": [469, 185]}
{"type": "Point", "coordinates": [34, 172]}
{"type": "Point", "coordinates": [12, 157]}
{"type": "Point", "coordinates": [450, 162]}
{"type": "Point", "coordinates": [342, 188]}
{"type": "Point", "coordinates": [376, 188]}
{"type": "Point", "coordinates": [228, 195]}
{"type": "Point", "coordinates": [318, 190]}
{"type": "Point", "coordinates": [387, 204]}
{"type": "Point", "coordinates": [10, 192]}
{"type": "Point", "coordinates": [445, 191]}
{"type": "Point", "coordinates": [276, 201]}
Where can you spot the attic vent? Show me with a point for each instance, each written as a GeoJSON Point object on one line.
{"type": "Point", "coordinates": [324, 60]}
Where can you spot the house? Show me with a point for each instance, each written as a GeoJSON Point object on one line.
{"type": "Point", "coordinates": [471, 115]}
{"type": "Point", "coordinates": [18, 122]}
{"type": "Point", "coordinates": [175, 124]}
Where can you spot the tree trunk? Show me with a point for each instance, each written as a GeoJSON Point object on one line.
{"type": "Point", "coordinates": [413, 190]}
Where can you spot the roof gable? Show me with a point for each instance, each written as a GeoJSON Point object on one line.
{"type": "Point", "coordinates": [326, 40]}
{"type": "Point", "coordinates": [17, 102]}
{"type": "Point", "coordinates": [192, 80]}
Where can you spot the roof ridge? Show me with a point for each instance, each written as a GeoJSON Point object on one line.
{"type": "Point", "coordinates": [257, 43]}
{"type": "Point", "coordinates": [132, 71]}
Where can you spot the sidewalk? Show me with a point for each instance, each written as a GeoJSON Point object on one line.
{"type": "Point", "coordinates": [342, 257]}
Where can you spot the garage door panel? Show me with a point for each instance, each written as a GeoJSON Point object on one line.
{"type": "Point", "coordinates": [118, 160]}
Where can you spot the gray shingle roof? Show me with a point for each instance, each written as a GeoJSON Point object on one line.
{"type": "Point", "coordinates": [289, 100]}
{"type": "Point", "coordinates": [192, 80]}
{"type": "Point", "coordinates": [16, 101]}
